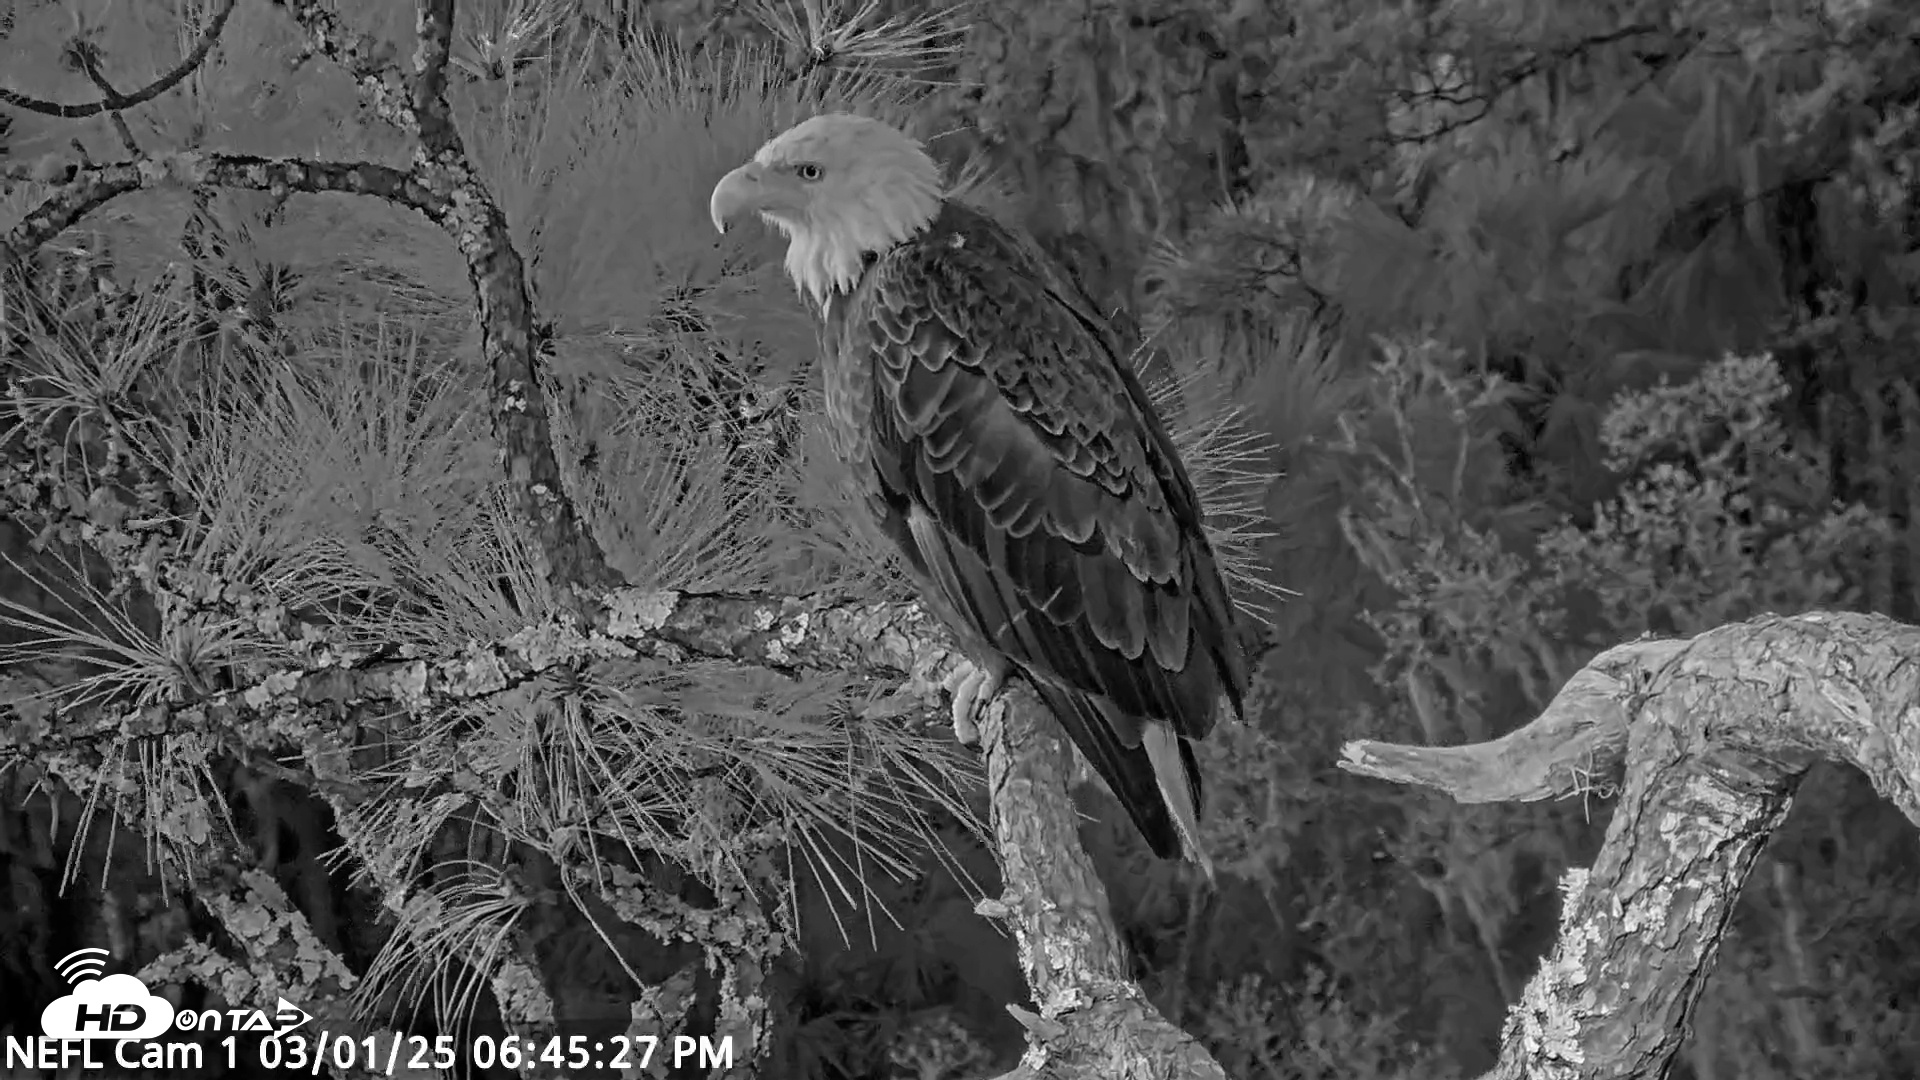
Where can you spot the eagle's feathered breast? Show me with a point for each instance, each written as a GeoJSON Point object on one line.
{"type": "Point", "coordinates": [1002, 443]}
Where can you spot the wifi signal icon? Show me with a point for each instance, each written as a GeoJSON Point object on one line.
{"type": "Point", "coordinates": [82, 965]}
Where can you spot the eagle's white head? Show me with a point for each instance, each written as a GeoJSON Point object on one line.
{"type": "Point", "coordinates": [841, 187]}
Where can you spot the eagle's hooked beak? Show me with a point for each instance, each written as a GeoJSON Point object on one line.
{"type": "Point", "coordinates": [739, 191]}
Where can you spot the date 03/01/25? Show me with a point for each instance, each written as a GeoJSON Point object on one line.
{"type": "Point", "coordinates": [393, 1054]}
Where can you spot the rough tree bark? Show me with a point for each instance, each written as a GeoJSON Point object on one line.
{"type": "Point", "coordinates": [1093, 1019]}
{"type": "Point", "coordinates": [1706, 739]}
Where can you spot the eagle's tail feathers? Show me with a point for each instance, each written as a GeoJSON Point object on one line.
{"type": "Point", "coordinates": [1164, 811]}
{"type": "Point", "coordinates": [1177, 776]}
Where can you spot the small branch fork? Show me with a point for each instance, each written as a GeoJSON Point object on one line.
{"type": "Point", "coordinates": [1711, 736]}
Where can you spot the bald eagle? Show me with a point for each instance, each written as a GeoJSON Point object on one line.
{"type": "Point", "coordinates": [1001, 442]}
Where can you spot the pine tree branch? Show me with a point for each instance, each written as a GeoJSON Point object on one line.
{"type": "Point", "coordinates": [897, 645]}
{"type": "Point", "coordinates": [431, 111]}
{"type": "Point", "coordinates": [84, 189]}
{"type": "Point", "coordinates": [1711, 736]}
{"type": "Point", "coordinates": [365, 58]}
{"type": "Point", "coordinates": [1093, 1021]}
{"type": "Point", "coordinates": [444, 186]}
{"type": "Point", "coordinates": [575, 566]}
{"type": "Point", "coordinates": [114, 102]}
{"type": "Point", "coordinates": [297, 714]}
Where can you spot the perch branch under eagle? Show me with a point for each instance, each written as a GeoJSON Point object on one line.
{"type": "Point", "coordinates": [1000, 440]}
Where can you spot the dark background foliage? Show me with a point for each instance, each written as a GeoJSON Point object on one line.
{"type": "Point", "coordinates": [1561, 322]}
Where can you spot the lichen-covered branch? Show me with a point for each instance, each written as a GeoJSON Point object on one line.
{"type": "Point", "coordinates": [281, 954]}
{"type": "Point", "coordinates": [282, 957]}
{"type": "Point", "coordinates": [737, 916]}
{"type": "Point", "coordinates": [84, 189]}
{"type": "Point", "coordinates": [115, 102]}
{"type": "Point", "coordinates": [294, 714]}
{"type": "Point", "coordinates": [1093, 1020]}
{"type": "Point", "coordinates": [366, 59]}
{"type": "Point", "coordinates": [1708, 739]}
{"type": "Point", "coordinates": [431, 112]}
{"type": "Point", "coordinates": [575, 565]}
{"type": "Point", "coordinates": [897, 646]}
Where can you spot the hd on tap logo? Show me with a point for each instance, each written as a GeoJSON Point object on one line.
{"type": "Point", "coordinates": [115, 1019]}
{"type": "Point", "coordinates": [103, 1006]}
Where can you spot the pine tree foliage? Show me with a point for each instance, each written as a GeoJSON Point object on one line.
{"type": "Point", "coordinates": [1232, 473]}
{"type": "Point", "coordinates": [358, 480]}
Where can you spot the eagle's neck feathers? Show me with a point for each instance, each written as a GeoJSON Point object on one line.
{"type": "Point", "coordinates": [830, 249]}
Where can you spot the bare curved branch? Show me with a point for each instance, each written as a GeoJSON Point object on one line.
{"type": "Point", "coordinates": [575, 565]}
{"type": "Point", "coordinates": [1709, 737]}
{"type": "Point", "coordinates": [1581, 735]}
{"type": "Point", "coordinates": [119, 102]}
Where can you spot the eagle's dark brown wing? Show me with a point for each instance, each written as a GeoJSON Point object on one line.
{"type": "Point", "coordinates": [1017, 462]}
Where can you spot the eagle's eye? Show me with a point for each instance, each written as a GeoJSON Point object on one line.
{"type": "Point", "coordinates": [807, 171]}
